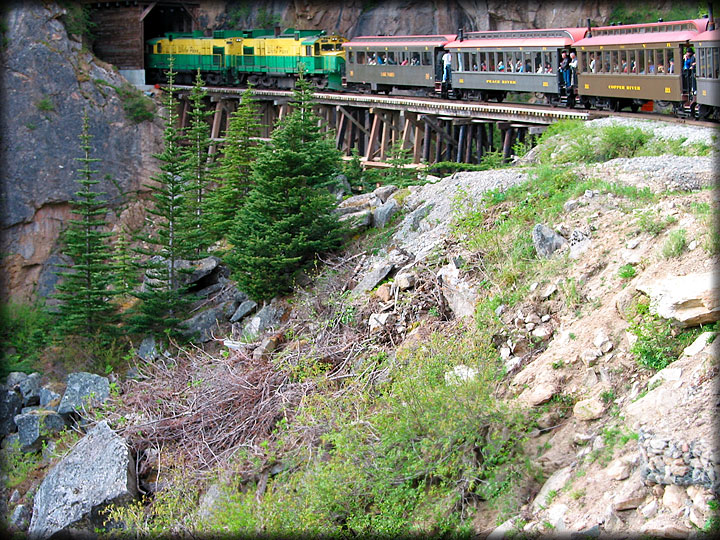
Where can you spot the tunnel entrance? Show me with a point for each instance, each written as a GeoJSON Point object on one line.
{"type": "Point", "coordinates": [121, 29]}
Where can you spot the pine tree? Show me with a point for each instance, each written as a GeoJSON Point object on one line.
{"type": "Point", "coordinates": [85, 307]}
{"type": "Point", "coordinates": [161, 296]}
{"type": "Point", "coordinates": [124, 263]}
{"type": "Point", "coordinates": [287, 217]}
{"type": "Point", "coordinates": [234, 167]}
{"type": "Point", "coordinates": [199, 170]}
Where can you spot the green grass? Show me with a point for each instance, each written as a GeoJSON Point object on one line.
{"type": "Point", "coordinates": [649, 221]}
{"type": "Point", "coordinates": [45, 104]}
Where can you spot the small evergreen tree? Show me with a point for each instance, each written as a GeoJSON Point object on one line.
{"type": "Point", "coordinates": [234, 167]}
{"type": "Point", "coordinates": [125, 266]}
{"type": "Point", "coordinates": [199, 170]}
{"type": "Point", "coordinates": [85, 307]}
{"type": "Point", "coordinates": [287, 217]}
{"type": "Point", "coordinates": [162, 301]}
{"type": "Point", "coordinates": [398, 174]}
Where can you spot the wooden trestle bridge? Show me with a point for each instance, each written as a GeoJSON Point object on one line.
{"type": "Point", "coordinates": [433, 130]}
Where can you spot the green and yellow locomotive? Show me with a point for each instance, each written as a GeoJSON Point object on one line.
{"type": "Point", "coordinates": [238, 57]}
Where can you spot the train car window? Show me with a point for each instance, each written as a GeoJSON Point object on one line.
{"type": "Point", "coordinates": [415, 59]}
{"type": "Point", "coordinates": [641, 62]}
{"type": "Point", "coordinates": [360, 57]}
{"type": "Point", "coordinates": [317, 49]}
{"type": "Point", "coordinates": [701, 63]}
{"type": "Point", "coordinates": [670, 59]}
{"type": "Point", "coordinates": [467, 66]}
{"type": "Point", "coordinates": [338, 46]}
{"type": "Point", "coordinates": [615, 66]}
{"type": "Point", "coordinates": [249, 50]}
{"type": "Point", "coordinates": [474, 62]}
{"type": "Point", "coordinates": [583, 62]}
{"type": "Point", "coordinates": [491, 62]}
{"type": "Point", "coordinates": [482, 57]}
{"type": "Point", "coordinates": [715, 63]}
{"type": "Point", "coordinates": [158, 48]}
{"type": "Point", "coordinates": [659, 60]}
{"type": "Point", "coordinates": [351, 57]}
{"type": "Point", "coordinates": [528, 62]}
{"type": "Point", "coordinates": [537, 63]}
{"type": "Point", "coordinates": [391, 58]}
{"type": "Point", "coordinates": [426, 59]}
{"type": "Point", "coordinates": [308, 50]}
{"type": "Point", "coordinates": [650, 59]}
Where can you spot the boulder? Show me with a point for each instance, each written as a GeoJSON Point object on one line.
{"type": "Point", "coordinates": [589, 409]}
{"type": "Point", "coordinates": [266, 347]}
{"type": "Point", "coordinates": [357, 221]}
{"type": "Point", "coordinates": [353, 205]}
{"type": "Point", "coordinates": [371, 279]}
{"type": "Point", "coordinates": [631, 494]}
{"type": "Point", "coordinates": [10, 405]}
{"type": "Point", "coordinates": [268, 317]}
{"type": "Point", "coordinates": [99, 470]}
{"type": "Point", "coordinates": [20, 517]}
{"type": "Point", "coordinates": [148, 350]}
{"type": "Point", "coordinates": [15, 378]}
{"type": "Point", "coordinates": [546, 241]}
{"type": "Point", "coordinates": [51, 394]}
{"type": "Point", "coordinates": [664, 526]}
{"type": "Point", "coordinates": [689, 300]}
{"type": "Point", "coordinates": [202, 325]}
{"type": "Point", "coordinates": [195, 271]}
{"type": "Point", "coordinates": [35, 426]}
{"type": "Point", "coordinates": [30, 389]}
{"type": "Point", "coordinates": [384, 292]}
{"type": "Point", "coordinates": [507, 528]}
{"type": "Point", "coordinates": [405, 280]}
{"type": "Point", "coordinates": [82, 389]}
{"type": "Point", "coordinates": [378, 320]}
{"type": "Point", "coordinates": [245, 308]}
{"type": "Point", "coordinates": [555, 483]}
{"type": "Point", "coordinates": [383, 214]}
{"type": "Point", "coordinates": [461, 296]}
{"type": "Point", "coordinates": [383, 192]}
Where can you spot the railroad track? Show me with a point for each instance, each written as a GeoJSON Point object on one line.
{"type": "Point", "coordinates": [509, 111]}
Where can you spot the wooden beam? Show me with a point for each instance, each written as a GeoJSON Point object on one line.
{"type": "Point", "coordinates": [147, 11]}
{"type": "Point", "coordinates": [347, 114]}
{"type": "Point", "coordinates": [439, 130]}
{"type": "Point", "coordinates": [373, 138]}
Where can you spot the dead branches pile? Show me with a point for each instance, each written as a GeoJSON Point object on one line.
{"type": "Point", "coordinates": [207, 408]}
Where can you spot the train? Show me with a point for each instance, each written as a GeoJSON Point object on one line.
{"type": "Point", "coordinates": [615, 67]}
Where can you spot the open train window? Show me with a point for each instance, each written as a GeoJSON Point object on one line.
{"type": "Point", "coordinates": [360, 57]}
{"type": "Point", "coordinates": [715, 66]}
{"type": "Point", "coordinates": [426, 59]}
{"type": "Point", "coordinates": [351, 57]}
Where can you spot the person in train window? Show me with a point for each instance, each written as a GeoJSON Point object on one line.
{"type": "Point", "coordinates": [373, 60]}
{"type": "Point", "coordinates": [592, 62]}
{"type": "Point", "coordinates": [381, 59]}
{"type": "Point", "coordinates": [500, 66]}
{"type": "Point", "coordinates": [651, 67]}
{"type": "Point", "coordinates": [519, 67]}
{"type": "Point", "coordinates": [671, 67]}
{"type": "Point", "coordinates": [483, 66]}
{"type": "Point", "coordinates": [404, 62]}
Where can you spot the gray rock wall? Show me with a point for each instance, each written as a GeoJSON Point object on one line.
{"type": "Point", "coordinates": [47, 82]}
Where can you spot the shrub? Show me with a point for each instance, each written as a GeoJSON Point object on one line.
{"type": "Point", "coordinates": [650, 222]}
{"type": "Point", "coordinates": [137, 106]}
{"type": "Point", "coordinates": [25, 331]}
{"type": "Point", "coordinates": [627, 271]}
{"type": "Point", "coordinates": [675, 244]}
{"type": "Point", "coordinates": [620, 141]}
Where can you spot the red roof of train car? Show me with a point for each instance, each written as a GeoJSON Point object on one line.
{"type": "Point", "coordinates": [399, 41]}
{"type": "Point", "coordinates": [572, 35]}
{"type": "Point", "coordinates": [710, 35]}
{"type": "Point", "coordinates": [635, 38]}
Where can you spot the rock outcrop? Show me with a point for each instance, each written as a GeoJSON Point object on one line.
{"type": "Point", "coordinates": [47, 82]}
{"type": "Point", "coordinates": [98, 471]}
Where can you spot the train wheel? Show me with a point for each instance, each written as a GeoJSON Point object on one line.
{"type": "Point", "coordinates": [615, 105]}
{"type": "Point", "coordinates": [213, 78]}
{"type": "Point", "coordinates": [703, 112]}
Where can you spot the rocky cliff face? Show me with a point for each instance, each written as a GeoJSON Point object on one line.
{"type": "Point", "coordinates": [48, 80]}
{"type": "Point", "coordinates": [393, 17]}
